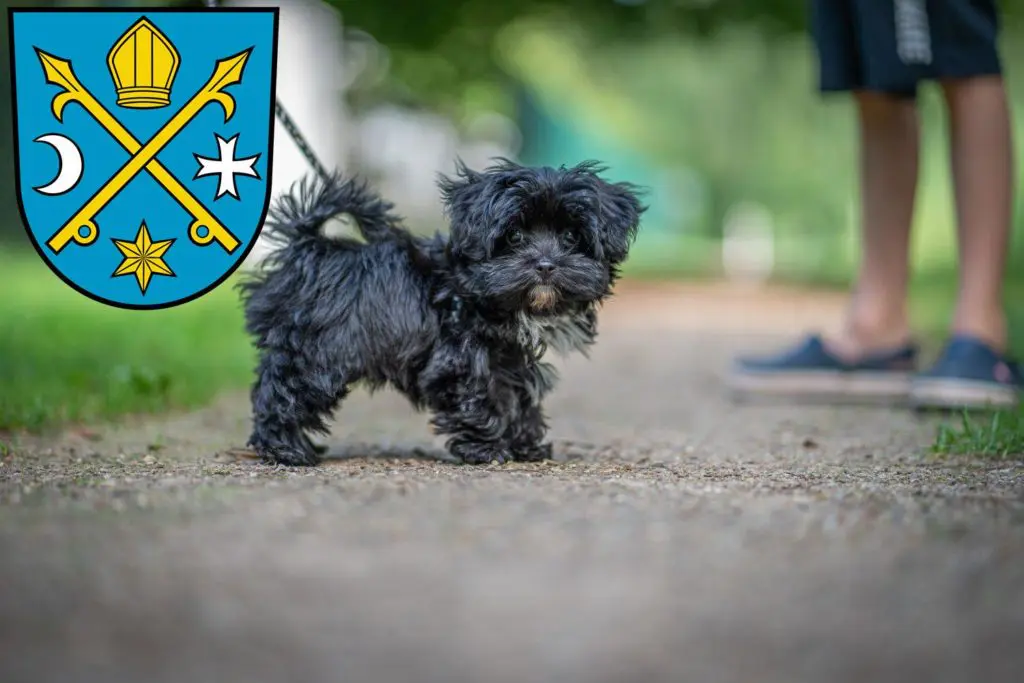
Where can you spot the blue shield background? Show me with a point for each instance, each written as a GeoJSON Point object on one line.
{"type": "Point", "coordinates": [201, 38]}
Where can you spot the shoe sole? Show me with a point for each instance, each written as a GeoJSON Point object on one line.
{"type": "Point", "coordinates": [951, 393]}
{"type": "Point", "coordinates": [860, 386]}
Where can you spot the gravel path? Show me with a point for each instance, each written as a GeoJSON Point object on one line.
{"type": "Point", "coordinates": [677, 537]}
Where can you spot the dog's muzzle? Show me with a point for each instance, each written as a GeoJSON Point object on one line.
{"type": "Point", "coordinates": [543, 297]}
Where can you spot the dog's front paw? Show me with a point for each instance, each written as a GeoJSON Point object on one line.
{"type": "Point", "coordinates": [533, 453]}
{"type": "Point", "coordinates": [287, 455]}
{"type": "Point", "coordinates": [480, 454]}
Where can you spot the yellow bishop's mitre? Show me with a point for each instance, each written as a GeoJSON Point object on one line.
{"type": "Point", "coordinates": [143, 64]}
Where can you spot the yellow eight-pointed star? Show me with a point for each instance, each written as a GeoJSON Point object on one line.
{"type": "Point", "coordinates": [143, 258]}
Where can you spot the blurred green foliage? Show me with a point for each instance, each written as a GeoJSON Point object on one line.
{"type": "Point", "coordinates": [715, 102]}
{"type": "Point", "coordinates": [739, 116]}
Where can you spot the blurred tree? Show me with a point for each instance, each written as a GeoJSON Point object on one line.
{"type": "Point", "coordinates": [438, 48]}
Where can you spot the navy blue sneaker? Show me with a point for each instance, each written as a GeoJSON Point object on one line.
{"type": "Point", "coordinates": [810, 370]}
{"type": "Point", "coordinates": [968, 374]}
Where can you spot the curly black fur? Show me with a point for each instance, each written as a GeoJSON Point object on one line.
{"type": "Point", "coordinates": [457, 323]}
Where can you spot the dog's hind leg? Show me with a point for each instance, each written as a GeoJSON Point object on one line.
{"type": "Point", "coordinates": [288, 401]}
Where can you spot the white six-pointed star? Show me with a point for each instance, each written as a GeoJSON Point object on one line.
{"type": "Point", "coordinates": [226, 166]}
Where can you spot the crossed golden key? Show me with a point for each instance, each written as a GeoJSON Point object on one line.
{"type": "Point", "coordinates": [81, 227]}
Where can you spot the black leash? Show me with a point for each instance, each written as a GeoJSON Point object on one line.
{"type": "Point", "coordinates": [289, 125]}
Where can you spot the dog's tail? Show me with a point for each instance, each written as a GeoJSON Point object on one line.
{"type": "Point", "coordinates": [298, 216]}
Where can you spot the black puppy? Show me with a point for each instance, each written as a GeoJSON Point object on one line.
{"type": "Point", "coordinates": [457, 323]}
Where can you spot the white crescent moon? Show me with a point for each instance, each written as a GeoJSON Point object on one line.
{"type": "Point", "coordinates": [70, 164]}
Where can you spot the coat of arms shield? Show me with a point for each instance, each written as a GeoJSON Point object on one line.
{"type": "Point", "coordinates": [144, 145]}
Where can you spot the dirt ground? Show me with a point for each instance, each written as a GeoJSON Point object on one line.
{"type": "Point", "coordinates": [676, 537]}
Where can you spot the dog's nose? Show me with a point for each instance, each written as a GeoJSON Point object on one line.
{"type": "Point", "coordinates": [546, 268]}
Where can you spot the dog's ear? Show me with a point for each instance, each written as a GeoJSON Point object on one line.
{"type": "Point", "coordinates": [618, 215]}
{"type": "Point", "coordinates": [462, 196]}
{"type": "Point", "coordinates": [461, 193]}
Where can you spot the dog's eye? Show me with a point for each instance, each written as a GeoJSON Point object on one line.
{"type": "Point", "coordinates": [514, 237]}
{"type": "Point", "coordinates": [570, 238]}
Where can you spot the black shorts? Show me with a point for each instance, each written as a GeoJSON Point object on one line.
{"type": "Point", "coordinates": [891, 46]}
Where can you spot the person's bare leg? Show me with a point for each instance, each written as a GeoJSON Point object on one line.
{"type": "Point", "coordinates": [876, 318]}
{"type": "Point", "coordinates": [981, 152]}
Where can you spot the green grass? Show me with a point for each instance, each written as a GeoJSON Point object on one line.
{"type": "Point", "coordinates": [999, 436]}
{"type": "Point", "coordinates": [64, 358]}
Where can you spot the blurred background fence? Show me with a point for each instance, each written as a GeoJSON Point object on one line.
{"type": "Point", "coordinates": [711, 104]}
